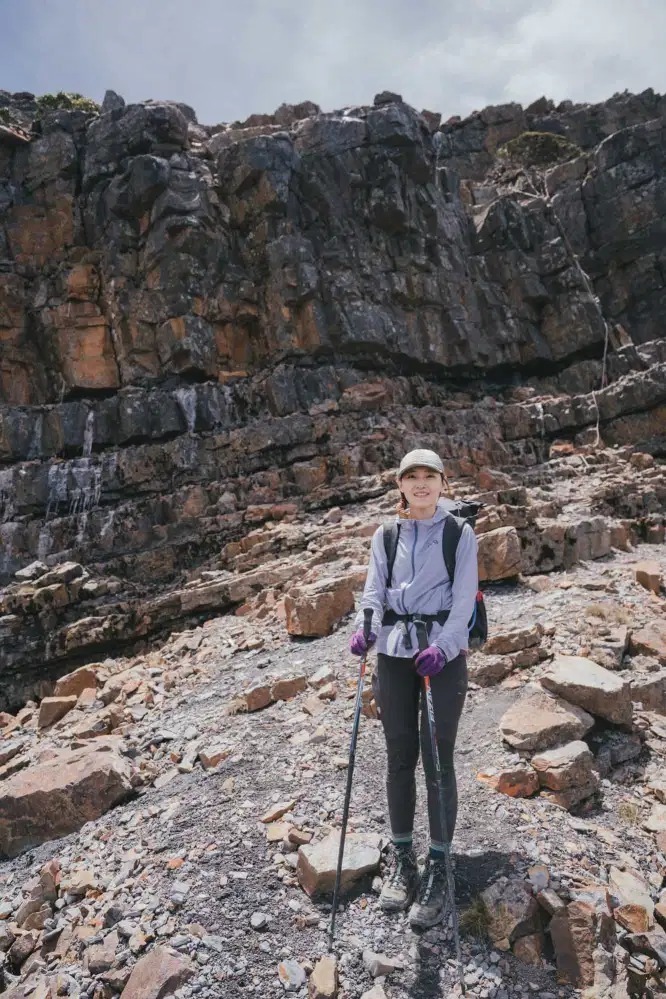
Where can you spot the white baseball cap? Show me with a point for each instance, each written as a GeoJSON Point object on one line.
{"type": "Point", "coordinates": [421, 458]}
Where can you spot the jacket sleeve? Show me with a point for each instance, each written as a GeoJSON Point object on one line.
{"type": "Point", "coordinates": [374, 593]}
{"type": "Point", "coordinates": [454, 636]}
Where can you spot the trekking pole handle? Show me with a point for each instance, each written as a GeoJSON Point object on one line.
{"type": "Point", "coordinates": [421, 634]}
{"type": "Point", "coordinates": [367, 622]}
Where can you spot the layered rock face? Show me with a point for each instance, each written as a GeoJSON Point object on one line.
{"type": "Point", "coordinates": [204, 328]}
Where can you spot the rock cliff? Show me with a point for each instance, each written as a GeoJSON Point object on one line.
{"type": "Point", "coordinates": [205, 328]}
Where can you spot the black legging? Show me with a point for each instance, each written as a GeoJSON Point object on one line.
{"type": "Point", "coordinates": [398, 691]}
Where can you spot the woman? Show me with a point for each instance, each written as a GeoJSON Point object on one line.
{"type": "Point", "coordinates": [419, 586]}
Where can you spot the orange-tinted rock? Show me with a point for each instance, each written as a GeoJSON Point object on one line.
{"type": "Point", "coordinates": [158, 974]}
{"type": "Point", "coordinates": [40, 234]}
{"type": "Point", "coordinates": [520, 781]}
{"type": "Point", "coordinates": [500, 554]}
{"type": "Point", "coordinates": [287, 687]}
{"type": "Point", "coordinates": [573, 933]}
{"type": "Point", "coordinates": [564, 766]}
{"type": "Point", "coordinates": [540, 720]}
{"type": "Point", "coordinates": [315, 608]}
{"type": "Point", "coordinates": [211, 756]}
{"type": "Point", "coordinates": [257, 696]}
{"type": "Point", "coordinates": [52, 709]}
{"type": "Point", "coordinates": [529, 949]}
{"type": "Point", "coordinates": [55, 798]}
{"type": "Point", "coordinates": [76, 682]}
{"type": "Point", "coordinates": [649, 575]}
{"type": "Point", "coordinates": [634, 918]}
{"type": "Point", "coordinates": [651, 641]}
{"type": "Point", "coordinates": [87, 357]}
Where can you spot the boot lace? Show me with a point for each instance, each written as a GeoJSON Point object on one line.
{"type": "Point", "coordinates": [432, 883]}
{"type": "Point", "coordinates": [399, 874]}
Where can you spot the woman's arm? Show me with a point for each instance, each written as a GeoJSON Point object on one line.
{"type": "Point", "coordinates": [454, 636]}
{"type": "Point", "coordinates": [374, 592]}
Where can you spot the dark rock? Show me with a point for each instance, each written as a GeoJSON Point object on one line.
{"type": "Point", "coordinates": [112, 102]}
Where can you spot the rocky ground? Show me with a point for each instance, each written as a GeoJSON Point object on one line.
{"type": "Point", "coordinates": [224, 752]}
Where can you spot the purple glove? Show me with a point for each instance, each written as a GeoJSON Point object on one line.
{"type": "Point", "coordinates": [430, 662]}
{"type": "Point", "coordinates": [358, 645]}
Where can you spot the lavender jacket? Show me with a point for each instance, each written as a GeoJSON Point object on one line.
{"type": "Point", "coordinates": [421, 584]}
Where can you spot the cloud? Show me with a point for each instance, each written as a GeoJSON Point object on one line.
{"type": "Point", "coordinates": [231, 59]}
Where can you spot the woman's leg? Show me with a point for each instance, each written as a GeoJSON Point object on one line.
{"type": "Point", "coordinates": [399, 707]}
{"type": "Point", "coordinates": [448, 694]}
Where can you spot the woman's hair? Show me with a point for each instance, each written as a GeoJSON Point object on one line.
{"type": "Point", "coordinates": [402, 506]}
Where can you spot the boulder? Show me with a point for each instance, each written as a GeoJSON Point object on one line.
{"type": "Point", "coordinates": [158, 974]}
{"type": "Point", "coordinates": [518, 781]}
{"type": "Point", "coordinates": [565, 766]}
{"type": "Point", "coordinates": [628, 889]}
{"type": "Point", "coordinates": [656, 820]}
{"type": "Point", "coordinates": [529, 949]}
{"type": "Point", "coordinates": [55, 798]}
{"type": "Point", "coordinates": [651, 641]}
{"type": "Point", "coordinates": [486, 671]}
{"type": "Point", "coordinates": [52, 709]}
{"type": "Point", "coordinates": [573, 933]}
{"type": "Point", "coordinates": [633, 918]}
{"type": "Point", "coordinates": [286, 687]}
{"type": "Point", "coordinates": [257, 696]}
{"type": "Point", "coordinates": [317, 862]}
{"type": "Point", "coordinates": [314, 609]}
{"type": "Point", "coordinates": [540, 720]}
{"type": "Point", "coordinates": [648, 574]}
{"type": "Point", "coordinates": [649, 690]}
{"type": "Point", "coordinates": [514, 640]}
{"type": "Point", "coordinates": [570, 797]}
{"type": "Point", "coordinates": [591, 687]}
{"type": "Point", "coordinates": [76, 682]}
{"type": "Point", "coordinates": [653, 944]}
{"type": "Point", "coordinates": [500, 555]}
{"type": "Point", "coordinates": [512, 910]}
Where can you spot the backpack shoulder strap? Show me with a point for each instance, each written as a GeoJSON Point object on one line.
{"type": "Point", "coordinates": [453, 528]}
{"type": "Point", "coordinates": [391, 535]}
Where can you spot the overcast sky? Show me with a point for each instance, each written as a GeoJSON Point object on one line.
{"type": "Point", "coordinates": [230, 59]}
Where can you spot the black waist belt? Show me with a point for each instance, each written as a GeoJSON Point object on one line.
{"type": "Point", "coordinates": [391, 617]}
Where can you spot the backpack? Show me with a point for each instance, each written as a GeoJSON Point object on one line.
{"type": "Point", "coordinates": [463, 512]}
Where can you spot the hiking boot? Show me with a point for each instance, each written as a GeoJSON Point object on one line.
{"type": "Point", "coordinates": [399, 888]}
{"type": "Point", "coordinates": [432, 902]}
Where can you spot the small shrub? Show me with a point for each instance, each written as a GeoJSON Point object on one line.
{"type": "Point", "coordinates": [237, 706]}
{"type": "Point", "coordinates": [66, 102]}
{"type": "Point", "coordinates": [596, 610]}
{"type": "Point", "coordinates": [608, 612]}
{"type": "Point", "coordinates": [7, 117]}
{"type": "Point", "coordinates": [474, 920]}
{"type": "Point", "coordinates": [538, 149]}
{"type": "Point", "coordinates": [629, 812]}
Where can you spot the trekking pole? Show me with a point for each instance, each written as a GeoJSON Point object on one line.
{"type": "Point", "coordinates": [367, 624]}
{"type": "Point", "coordinates": [422, 636]}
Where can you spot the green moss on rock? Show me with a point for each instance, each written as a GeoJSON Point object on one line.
{"type": "Point", "coordinates": [66, 102]}
{"type": "Point", "coordinates": [538, 149]}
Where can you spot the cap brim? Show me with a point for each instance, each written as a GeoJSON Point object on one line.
{"type": "Point", "coordinates": [419, 464]}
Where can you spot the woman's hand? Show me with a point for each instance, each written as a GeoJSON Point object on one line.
{"type": "Point", "coordinates": [358, 645]}
{"type": "Point", "coordinates": [430, 662]}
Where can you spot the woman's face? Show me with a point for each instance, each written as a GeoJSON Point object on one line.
{"type": "Point", "coordinates": [422, 487]}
